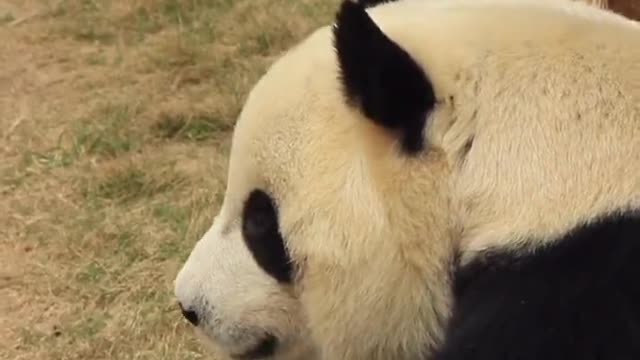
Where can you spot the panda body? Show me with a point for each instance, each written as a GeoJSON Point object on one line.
{"type": "Point", "coordinates": [417, 182]}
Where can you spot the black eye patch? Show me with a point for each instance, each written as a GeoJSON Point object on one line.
{"type": "Point", "coordinates": [261, 233]}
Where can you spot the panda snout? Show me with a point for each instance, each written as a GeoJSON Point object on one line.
{"type": "Point", "coordinates": [189, 314]}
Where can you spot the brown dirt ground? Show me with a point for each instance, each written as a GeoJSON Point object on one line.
{"type": "Point", "coordinates": [115, 117]}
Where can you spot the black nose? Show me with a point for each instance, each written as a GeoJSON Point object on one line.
{"type": "Point", "coordinates": [189, 315]}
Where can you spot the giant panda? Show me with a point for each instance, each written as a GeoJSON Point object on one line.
{"type": "Point", "coordinates": [433, 180]}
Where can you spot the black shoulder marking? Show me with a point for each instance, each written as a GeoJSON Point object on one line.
{"type": "Point", "coordinates": [261, 233]}
{"type": "Point", "coordinates": [578, 298]}
{"type": "Point", "coordinates": [372, 3]}
{"type": "Point", "coordinates": [380, 77]}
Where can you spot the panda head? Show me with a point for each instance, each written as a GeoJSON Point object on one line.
{"type": "Point", "coordinates": [374, 148]}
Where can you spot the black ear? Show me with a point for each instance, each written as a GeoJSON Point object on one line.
{"type": "Point", "coordinates": [372, 3]}
{"type": "Point", "coordinates": [380, 77]}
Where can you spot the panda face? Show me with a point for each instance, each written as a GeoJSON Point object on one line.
{"type": "Point", "coordinates": [304, 213]}
{"type": "Point", "coordinates": [235, 285]}
{"type": "Point", "coordinates": [373, 150]}
{"type": "Point", "coordinates": [240, 279]}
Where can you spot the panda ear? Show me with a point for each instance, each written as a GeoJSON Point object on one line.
{"type": "Point", "coordinates": [372, 3]}
{"type": "Point", "coordinates": [381, 78]}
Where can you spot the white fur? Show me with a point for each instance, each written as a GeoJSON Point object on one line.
{"type": "Point", "coordinates": [549, 90]}
{"type": "Point", "coordinates": [238, 312]}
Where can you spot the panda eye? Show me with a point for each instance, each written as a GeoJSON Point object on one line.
{"type": "Point", "coordinates": [261, 234]}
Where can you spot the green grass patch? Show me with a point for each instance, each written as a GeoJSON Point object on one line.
{"type": "Point", "coordinates": [6, 18]}
{"type": "Point", "coordinates": [193, 128]}
{"type": "Point", "coordinates": [91, 273]}
{"type": "Point", "coordinates": [132, 184]}
{"type": "Point", "coordinates": [52, 158]}
{"type": "Point", "coordinates": [123, 186]}
{"type": "Point", "coordinates": [128, 248]}
{"type": "Point", "coordinates": [91, 32]}
{"type": "Point", "coordinates": [105, 134]}
{"type": "Point", "coordinates": [94, 20]}
{"type": "Point", "coordinates": [175, 217]}
{"type": "Point", "coordinates": [90, 326]}
{"type": "Point", "coordinates": [86, 21]}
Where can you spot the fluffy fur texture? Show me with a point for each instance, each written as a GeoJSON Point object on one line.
{"type": "Point", "coordinates": [534, 130]}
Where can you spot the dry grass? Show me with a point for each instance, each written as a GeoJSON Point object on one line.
{"type": "Point", "coordinates": [115, 119]}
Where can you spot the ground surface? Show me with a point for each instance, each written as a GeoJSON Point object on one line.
{"type": "Point", "coordinates": [115, 119]}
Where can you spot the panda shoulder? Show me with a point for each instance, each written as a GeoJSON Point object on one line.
{"type": "Point", "coordinates": [578, 296]}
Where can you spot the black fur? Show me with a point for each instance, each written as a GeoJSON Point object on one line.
{"type": "Point", "coordinates": [372, 3]}
{"type": "Point", "coordinates": [382, 78]}
{"type": "Point", "coordinates": [261, 233]}
{"type": "Point", "coordinates": [577, 299]}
